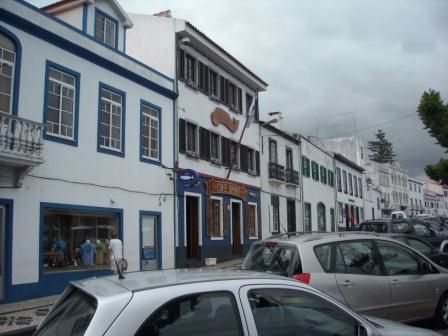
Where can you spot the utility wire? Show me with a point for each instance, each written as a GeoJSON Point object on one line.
{"type": "Point", "coordinates": [376, 125]}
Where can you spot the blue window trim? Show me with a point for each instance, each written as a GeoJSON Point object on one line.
{"type": "Point", "coordinates": [123, 121]}
{"type": "Point", "coordinates": [78, 208]}
{"type": "Point", "coordinates": [9, 204]}
{"type": "Point", "coordinates": [16, 87]}
{"type": "Point", "coordinates": [77, 75]}
{"type": "Point", "coordinates": [159, 109]}
{"type": "Point", "coordinates": [76, 49]}
{"type": "Point", "coordinates": [107, 16]}
{"type": "Point", "coordinates": [158, 237]}
{"type": "Point", "coordinates": [85, 12]}
{"type": "Point", "coordinates": [124, 39]}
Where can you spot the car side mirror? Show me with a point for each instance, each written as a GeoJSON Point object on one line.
{"type": "Point", "coordinates": [427, 268]}
{"type": "Point", "coordinates": [361, 330]}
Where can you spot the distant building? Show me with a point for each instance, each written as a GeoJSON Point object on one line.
{"type": "Point", "coordinates": [351, 148]}
{"type": "Point", "coordinates": [434, 198]}
{"type": "Point", "coordinates": [416, 197]}
{"type": "Point", "coordinates": [349, 196]}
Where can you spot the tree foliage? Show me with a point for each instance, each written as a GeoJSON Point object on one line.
{"type": "Point", "coordinates": [382, 149]}
{"type": "Point", "coordinates": [434, 114]}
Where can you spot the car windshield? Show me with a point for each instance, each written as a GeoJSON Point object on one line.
{"type": "Point", "coordinates": [271, 258]}
{"type": "Point", "coordinates": [422, 231]}
{"type": "Point", "coordinates": [401, 227]}
{"type": "Point", "coordinates": [70, 317]}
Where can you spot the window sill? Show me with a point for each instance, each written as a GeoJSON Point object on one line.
{"type": "Point", "coordinates": [191, 84]}
{"type": "Point", "coordinates": [215, 162]}
{"type": "Point", "coordinates": [192, 155]}
{"type": "Point", "coordinates": [253, 237]}
{"type": "Point", "coordinates": [214, 98]}
{"type": "Point", "coordinates": [216, 238]}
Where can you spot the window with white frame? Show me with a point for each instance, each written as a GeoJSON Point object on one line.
{"type": "Point", "coordinates": [307, 217]}
{"type": "Point", "coordinates": [216, 217]}
{"type": "Point", "coordinates": [340, 212]}
{"type": "Point", "coordinates": [105, 29]}
{"type": "Point", "coordinates": [213, 84]}
{"type": "Point", "coordinates": [111, 120]}
{"type": "Point", "coordinates": [275, 213]}
{"type": "Point", "coordinates": [251, 160]}
{"type": "Point", "coordinates": [150, 136]}
{"type": "Point", "coordinates": [252, 225]}
{"type": "Point", "coordinates": [7, 69]}
{"type": "Point", "coordinates": [234, 154]}
{"type": "Point", "coordinates": [191, 131]}
{"type": "Point", "coordinates": [190, 69]}
{"type": "Point", "coordinates": [215, 148]}
{"type": "Point", "coordinates": [61, 102]}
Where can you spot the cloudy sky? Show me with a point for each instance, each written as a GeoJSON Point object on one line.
{"type": "Point", "coordinates": [334, 67]}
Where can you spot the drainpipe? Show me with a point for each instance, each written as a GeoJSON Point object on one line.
{"type": "Point", "coordinates": [336, 209]}
{"type": "Point", "coordinates": [301, 183]}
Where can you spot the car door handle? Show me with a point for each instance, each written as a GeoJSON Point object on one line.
{"type": "Point", "coordinates": [395, 282]}
{"type": "Point", "coordinates": [347, 283]}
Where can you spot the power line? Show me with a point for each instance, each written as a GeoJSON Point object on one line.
{"type": "Point", "coordinates": [380, 124]}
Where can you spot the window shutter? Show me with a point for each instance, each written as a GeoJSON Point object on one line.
{"type": "Point", "coordinates": [243, 158]}
{"type": "Point", "coordinates": [225, 151]}
{"type": "Point", "coordinates": [206, 87]}
{"type": "Point", "coordinates": [181, 64]}
{"type": "Point", "coordinates": [209, 216]}
{"type": "Point", "coordinates": [221, 89]}
{"type": "Point", "coordinates": [182, 144]}
{"type": "Point", "coordinates": [257, 162]}
{"type": "Point", "coordinates": [225, 217]}
{"type": "Point", "coordinates": [204, 146]}
{"type": "Point", "coordinates": [259, 220]}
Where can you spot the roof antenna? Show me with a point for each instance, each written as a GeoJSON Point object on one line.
{"type": "Point", "coordinates": [287, 233]}
{"type": "Point", "coordinates": [120, 273]}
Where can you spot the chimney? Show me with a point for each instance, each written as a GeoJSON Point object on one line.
{"type": "Point", "coordinates": [166, 13]}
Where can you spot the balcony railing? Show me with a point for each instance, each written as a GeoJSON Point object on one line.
{"type": "Point", "coordinates": [292, 176]}
{"type": "Point", "coordinates": [276, 171]}
{"type": "Point", "coordinates": [20, 140]}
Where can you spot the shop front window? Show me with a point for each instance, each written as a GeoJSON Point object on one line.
{"type": "Point", "coordinates": [77, 240]}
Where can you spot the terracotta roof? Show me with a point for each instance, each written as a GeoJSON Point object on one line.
{"type": "Point", "coordinates": [224, 51]}
{"type": "Point", "coordinates": [166, 13]}
{"type": "Point", "coordinates": [56, 4]}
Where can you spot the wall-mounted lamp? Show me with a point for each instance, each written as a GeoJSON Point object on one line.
{"type": "Point", "coordinates": [185, 40]}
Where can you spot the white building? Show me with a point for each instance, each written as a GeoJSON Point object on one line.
{"type": "Point", "coordinates": [372, 201]}
{"type": "Point", "coordinates": [416, 199]}
{"type": "Point", "coordinates": [351, 148]}
{"type": "Point", "coordinates": [280, 182]}
{"type": "Point", "coordinates": [349, 196]}
{"type": "Point", "coordinates": [391, 179]}
{"type": "Point", "coordinates": [319, 199]}
{"type": "Point", "coordinates": [218, 215]}
{"type": "Point", "coordinates": [433, 196]}
{"type": "Point", "coordinates": [96, 167]}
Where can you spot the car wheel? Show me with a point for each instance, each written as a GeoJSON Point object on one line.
{"type": "Point", "coordinates": [441, 316]}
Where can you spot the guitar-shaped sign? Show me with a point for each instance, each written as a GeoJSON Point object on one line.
{"type": "Point", "coordinates": [219, 116]}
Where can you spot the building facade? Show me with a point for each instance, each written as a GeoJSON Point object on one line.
{"type": "Point", "coordinates": [349, 196]}
{"type": "Point", "coordinates": [416, 197]}
{"type": "Point", "coordinates": [218, 214]}
{"type": "Point", "coordinates": [318, 181]}
{"type": "Point", "coordinates": [280, 182]}
{"type": "Point", "coordinates": [82, 148]}
{"type": "Point", "coordinates": [433, 196]}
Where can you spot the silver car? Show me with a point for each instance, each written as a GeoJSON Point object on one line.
{"type": "Point", "coordinates": [201, 302]}
{"type": "Point", "coordinates": [373, 275]}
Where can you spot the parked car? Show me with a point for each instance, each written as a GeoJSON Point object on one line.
{"type": "Point", "coordinates": [369, 273]}
{"type": "Point", "coordinates": [440, 258]}
{"type": "Point", "coordinates": [408, 226]}
{"type": "Point", "coordinates": [185, 302]}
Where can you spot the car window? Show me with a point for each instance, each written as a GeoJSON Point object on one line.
{"type": "Point", "coordinates": [323, 254]}
{"type": "Point", "coordinates": [199, 314]}
{"type": "Point", "coordinates": [374, 227]}
{"type": "Point", "coordinates": [272, 258]}
{"type": "Point", "coordinates": [284, 312]}
{"type": "Point", "coordinates": [422, 231]}
{"type": "Point", "coordinates": [401, 227]}
{"type": "Point", "coordinates": [420, 246]}
{"type": "Point", "coordinates": [358, 257]}
{"type": "Point", "coordinates": [70, 317]}
{"type": "Point", "coordinates": [397, 260]}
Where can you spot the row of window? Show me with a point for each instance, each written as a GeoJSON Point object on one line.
{"type": "Point", "coordinates": [321, 218]}
{"type": "Point", "coordinates": [399, 197]}
{"type": "Point", "coordinates": [417, 203]}
{"type": "Point", "coordinates": [352, 184]}
{"type": "Point", "coordinates": [415, 187]}
{"type": "Point", "coordinates": [217, 215]}
{"type": "Point", "coordinates": [202, 77]}
{"type": "Point", "coordinates": [352, 214]}
{"type": "Point", "coordinates": [62, 107]}
{"type": "Point", "coordinates": [322, 174]}
{"type": "Point", "coordinates": [273, 156]}
{"type": "Point", "coordinates": [399, 180]}
{"type": "Point", "coordinates": [200, 143]}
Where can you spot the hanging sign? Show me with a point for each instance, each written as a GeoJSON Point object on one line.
{"type": "Point", "coordinates": [188, 177]}
{"type": "Point", "coordinates": [219, 116]}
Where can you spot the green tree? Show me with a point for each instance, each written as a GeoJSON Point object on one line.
{"type": "Point", "coordinates": [382, 149]}
{"type": "Point", "coordinates": [434, 114]}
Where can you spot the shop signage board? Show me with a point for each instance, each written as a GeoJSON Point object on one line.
{"type": "Point", "coordinates": [188, 177]}
{"type": "Point", "coordinates": [228, 188]}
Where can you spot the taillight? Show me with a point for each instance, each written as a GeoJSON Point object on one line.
{"type": "Point", "coordinates": [302, 277]}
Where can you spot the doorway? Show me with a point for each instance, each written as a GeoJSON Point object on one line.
{"type": "Point", "coordinates": [192, 226]}
{"type": "Point", "coordinates": [347, 217]}
{"type": "Point", "coordinates": [236, 228]}
{"type": "Point", "coordinates": [150, 249]}
{"type": "Point", "coordinates": [291, 215]}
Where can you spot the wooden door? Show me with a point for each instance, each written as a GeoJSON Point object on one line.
{"type": "Point", "coordinates": [236, 228]}
{"type": "Point", "coordinates": [192, 224]}
{"type": "Point", "coordinates": [291, 211]}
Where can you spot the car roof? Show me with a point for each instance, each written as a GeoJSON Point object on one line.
{"type": "Point", "coordinates": [140, 281]}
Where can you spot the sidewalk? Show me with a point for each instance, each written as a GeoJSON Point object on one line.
{"type": "Point", "coordinates": [22, 317]}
